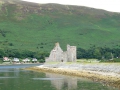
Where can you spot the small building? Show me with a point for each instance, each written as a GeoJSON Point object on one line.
{"type": "Point", "coordinates": [58, 55]}
{"type": "Point", "coordinates": [6, 59]}
{"type": "Point", "coordinates": [34, 60]}
{"type": "Point", "coordinates": [16, 60]}
{"type": "Point", "coordinates": [26, 60]}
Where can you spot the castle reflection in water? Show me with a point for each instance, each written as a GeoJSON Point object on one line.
{"type": "Point", "coordinates": [65, 83]}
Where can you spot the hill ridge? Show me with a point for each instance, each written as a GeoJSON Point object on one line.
{"type": "Point", "coordinates": [31, 26]}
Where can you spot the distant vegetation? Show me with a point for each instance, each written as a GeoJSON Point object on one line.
{"type": "Point", "coordinates": [35, 28]}
{"type": "Point", "coordinates": [22, 54]}
{"type": "Point", "coordinates": [102, 54]}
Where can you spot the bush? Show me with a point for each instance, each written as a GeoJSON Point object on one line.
{"type": "Point", "coordinates": [116, 60]}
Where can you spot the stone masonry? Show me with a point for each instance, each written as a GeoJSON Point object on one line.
{"type": "Point", "coordinates": [58, 55]}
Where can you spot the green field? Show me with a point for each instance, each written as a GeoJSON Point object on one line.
{"type": "Point", "coordinates": [37, 27]}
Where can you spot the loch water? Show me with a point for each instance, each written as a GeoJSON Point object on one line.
{"type": "Point", "coordinates": [13, 77]}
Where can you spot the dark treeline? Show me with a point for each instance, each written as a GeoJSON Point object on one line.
{"type": "Point", "coordinates": [14, 53]}
{"type": "Point", "coordinates": [99, 53]}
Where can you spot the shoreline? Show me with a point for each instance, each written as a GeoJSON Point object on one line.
{"type": "Point", "coordinates": [19, 64]}
{"type": "Point", "coordinates": [95, 73]}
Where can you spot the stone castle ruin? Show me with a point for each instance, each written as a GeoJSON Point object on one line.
{"type": "Point", "coordinates": [58, 55]}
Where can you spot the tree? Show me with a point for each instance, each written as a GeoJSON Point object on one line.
{"type": "Point", "coordinates": [97, 53]}
{"type": "Point", "coordinates": [108, 55]}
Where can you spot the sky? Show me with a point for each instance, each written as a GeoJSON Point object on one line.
{"type": "Point", "coordinates": [109, 5]}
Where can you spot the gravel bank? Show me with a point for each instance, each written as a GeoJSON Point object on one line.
{"type": "Point", "coordinates": [108, 73]}
{"type": "Point", "coordinates": [100, 67]}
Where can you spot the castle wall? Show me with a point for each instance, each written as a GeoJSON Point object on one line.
{"type": "Point", "coordinates": [57, 54]}
{"type": "Point", "coordinates": [71, 53]}
{"type": "Point", "coordinates": [64, 56]}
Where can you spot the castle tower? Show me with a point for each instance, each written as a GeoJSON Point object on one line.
{"type": "Point", "coordinates": [71, 53]}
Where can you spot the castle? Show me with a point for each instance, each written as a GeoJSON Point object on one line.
{"type": "Point", "coordinates": [58, 55]}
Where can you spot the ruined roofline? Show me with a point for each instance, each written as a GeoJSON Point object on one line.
{"type": "Point", "coordinates": [57, 47]}
{"type": "Point", "coordinates": [73, 46]}
{"type": "Point", "coordinates": [58, 55]}
{"type": "Point", "coordinates": [70, 46]}
{"type": "Point", "coordinates": [57, 44]}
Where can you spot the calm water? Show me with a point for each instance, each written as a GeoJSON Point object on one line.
{"type": "Point", "coordinates": [12, 77]}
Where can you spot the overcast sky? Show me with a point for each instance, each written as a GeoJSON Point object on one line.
{"type": "Point", "coordinates": [109, 5]}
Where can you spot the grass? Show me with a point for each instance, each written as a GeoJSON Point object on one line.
{"type": "Point", "coordinates": [39, 32]}
{"type": "Point", "coordinates": [87, 61]}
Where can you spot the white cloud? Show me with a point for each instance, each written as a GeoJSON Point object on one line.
{"type": "Point", "coordinates": [110, 5]}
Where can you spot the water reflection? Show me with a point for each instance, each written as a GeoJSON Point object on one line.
{"type": "Point", "coordinates": [17, 79]}
{"type": "Point", "coordinates": [7, 73]}
{"type": "Point", "coordinates": [3, 71]}
{"type": "Point", "coordinates": [75, 83]}
{"type": "Point", "coordinates": [68, 83]}
{"type": "Point", "coordinates": [17, 66]}
{"type": "Point", "coordinates": [7, 77]}
{"type": "Point", "coordinates": [46, 78]}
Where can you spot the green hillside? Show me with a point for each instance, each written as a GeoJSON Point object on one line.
{"type": "Point", "coordinates": [36, 27]}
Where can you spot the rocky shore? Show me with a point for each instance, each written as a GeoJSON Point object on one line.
{"type": "Point", "coordinates": [107, 73]}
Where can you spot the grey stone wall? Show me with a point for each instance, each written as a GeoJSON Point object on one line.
{"type": "Point", "coordinates": [57, 54]}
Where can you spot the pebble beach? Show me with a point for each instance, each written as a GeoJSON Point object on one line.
{"type": "Point", "coordinates": [107, 73]}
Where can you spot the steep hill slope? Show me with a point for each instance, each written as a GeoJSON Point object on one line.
{"type": "Point", "coordinates": [34, 27]}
